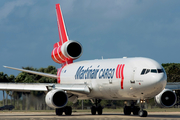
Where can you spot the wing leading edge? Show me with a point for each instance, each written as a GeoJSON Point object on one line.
{"type": "Point", "coordinates": [34, 72]}
{"type": "Point", "coordinates": [173, 85]}
{"type": "Point", "coordinates": [27, 87]}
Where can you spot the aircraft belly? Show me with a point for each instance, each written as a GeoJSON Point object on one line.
{"type": "Point", "coordinates": [109, 89]}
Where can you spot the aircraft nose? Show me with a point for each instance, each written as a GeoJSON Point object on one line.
{"type": "Point", "coordinates": [160, 80]}
{"type": "Point", "coordinates": [153, 84]}
{"type": "Point", "coordinates": [156, 81]}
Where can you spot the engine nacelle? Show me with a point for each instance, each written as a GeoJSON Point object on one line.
{"type": "Point", "coordinates": [70, 50]}
{"type": "Point", "coordinates": [166, 98]}
{"type": "Point", "coordinates": [56, 98]}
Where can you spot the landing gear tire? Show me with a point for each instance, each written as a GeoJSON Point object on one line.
{"type": "Point", "coordinates": [97, 107]}
{"type": "Point", "coordinates": [93, 110]}
{"type": "Point", "coordinates": [127, 110]}
{"type": "Point", "coordinates": [68, 110]}
{"type": "Point", "coordinates": [59, 111]}
{"type": "Point", "coordinates": [99, 110]}
{"type": "Point", "coordinates": [136, 110]}
{"type": "Point", "coordinates": [143, 113]}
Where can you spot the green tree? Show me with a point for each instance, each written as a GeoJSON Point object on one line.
{"type": "Point", "coordinates": [4, 78]}
{"type": "Point", "coordinates": [11, 78]}
{"type": "Point", "coordinates": [172, 71]}
{"type": "Point", "coordinates": [173, 75]}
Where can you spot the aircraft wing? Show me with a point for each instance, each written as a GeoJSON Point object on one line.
{"type": "Point", "coordinates": [173, 85]}
{"type": "Point", "coordinates": [27, 87]}
{"type": "Point", "coordinates": [34, 72]}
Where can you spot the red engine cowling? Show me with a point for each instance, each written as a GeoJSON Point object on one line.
{"type": "Point", "coordinates": [69, 51]}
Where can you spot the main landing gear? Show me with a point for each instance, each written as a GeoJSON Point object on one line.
{"type": "Point", "coordinates": [136, 110]}
{"type": "Point", "coordinates": [97, 108]}
{"type": "Point", "coordinates": [67, 110]}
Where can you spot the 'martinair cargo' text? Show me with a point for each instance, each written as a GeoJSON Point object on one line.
{"type": "Point", "coordinates": [89, 73]}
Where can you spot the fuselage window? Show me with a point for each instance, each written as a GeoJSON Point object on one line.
{"type": "Point", "coordinates": [153, 71]}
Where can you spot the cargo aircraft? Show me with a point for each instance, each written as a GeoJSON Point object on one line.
{"type": "Point", "coordinates": [135, 79]}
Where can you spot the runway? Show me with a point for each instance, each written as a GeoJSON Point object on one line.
{"type": "Point", "coordinates": [86, 116]}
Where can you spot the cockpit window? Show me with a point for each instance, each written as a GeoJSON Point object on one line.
{"type": "Point", "coordinates": [153, 71]}
{"type": "Point", "coordinates": [160, 70]}
{"type": "Point", "coordinates": [143, 71]}
{"type": "Point", "coordinates": [146, 71]}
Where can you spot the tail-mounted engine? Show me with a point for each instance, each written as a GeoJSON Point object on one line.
{"type": "Point", "coordinates": [56, 98]}
{"type": "Point", "coordinates": [166, 98]}
{"type": "Point", "coordinates": [69, 51]}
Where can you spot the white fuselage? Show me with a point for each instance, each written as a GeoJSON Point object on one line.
{"type": "Point", "coordinates": [117, 79]}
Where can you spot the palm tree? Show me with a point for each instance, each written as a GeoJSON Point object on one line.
{"type": "Point", "coordinates": [17, 96]}
{"type": "Point", "coordinates": [3, 78]}
{"type": "Point", "coordinates": [11, 79]}
{"type": "Point", "coordinates": [3, 98]}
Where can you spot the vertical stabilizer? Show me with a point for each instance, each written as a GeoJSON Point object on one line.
{"type": "Point", "coordinates": [61, 26]}
{"type": "Point", "coordinates": [64, 51]}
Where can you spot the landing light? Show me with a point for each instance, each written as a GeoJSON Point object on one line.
{"type": "Point", "coordinates": [142, 101]}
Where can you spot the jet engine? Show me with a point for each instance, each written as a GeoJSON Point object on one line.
{"type": "Point", "coordinates": [70, 50]}
{"type": "Point", "coordinates": [56, 98]}
{"type": "Point", "coordinates": [166, 98]}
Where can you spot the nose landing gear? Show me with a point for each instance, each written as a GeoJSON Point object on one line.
{"type": "Point", "coordinates": [142, 113]}
{"type": "Point", "coordinates": [136, 110]}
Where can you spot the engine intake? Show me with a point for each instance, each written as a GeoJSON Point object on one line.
{"type": "Point", "coordinates": [166, 98]}
{"type": "Point", "coordinates": [70, 50]}
{"type": "Point", "coordinates": [56, 98]}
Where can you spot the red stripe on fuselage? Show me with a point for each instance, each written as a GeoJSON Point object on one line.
{"type": "Point", "coordinates": [58, 74]}
{"type": "Point", "coordinates": [117, 71]}
{"type": "Point", "coordinates": [120, 69]}
{"type": "Point", "coordinates": [122, 75]}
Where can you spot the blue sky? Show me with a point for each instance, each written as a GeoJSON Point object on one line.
{"type": "Point", "coordinates": [108, 28]}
